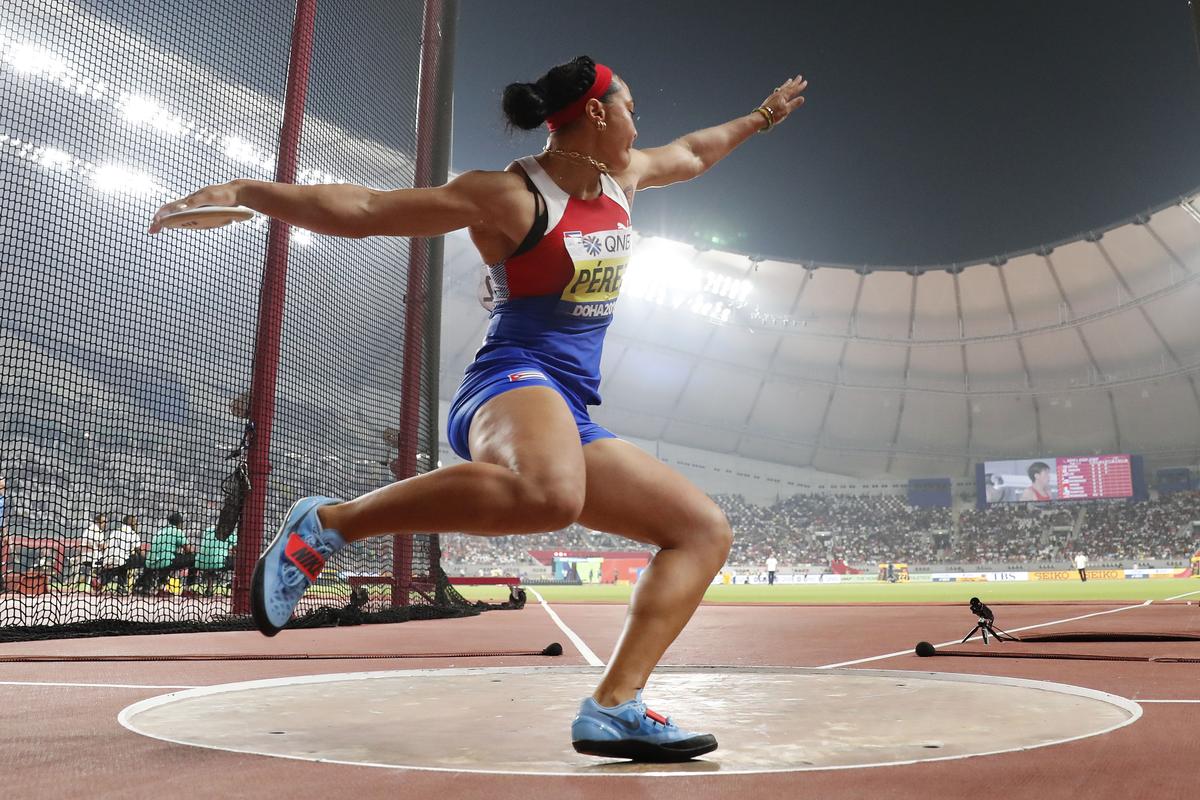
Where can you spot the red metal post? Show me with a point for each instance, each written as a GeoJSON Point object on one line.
{"type": "Point", "coordinates": [415, 296]}
{"type": "Point", "coordinates": [270, 312]}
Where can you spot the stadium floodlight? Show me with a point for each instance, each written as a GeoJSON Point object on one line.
{"type": "Point", "coordinates": [661, 268]}
{"type": "Point", "coordinates": [115, 179]}
{"type": "Point", "coordinates": [315, 176]}
{"type": "Point", "coordinates": [239, 150]}
{"type": "Point", "coordinates": [144, 111]}
{"type": "Point", "coordinates": [665, 273]}
{"type": "Point", "coordinates": [302, 237]}
{"type": "Point", "coordinates": [27, 58]}
{"type": "Point", "coordinates": [243, 152]}
{"type": "Point", "coordinates": [31, 59]}
{"type": "Point", "coordinates": [53, 158]}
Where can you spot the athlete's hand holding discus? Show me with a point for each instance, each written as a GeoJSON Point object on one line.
{"type": "Point", "coordinates": [555, 230]}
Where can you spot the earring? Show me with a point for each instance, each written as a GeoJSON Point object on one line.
{"type": "Point", "coordinates": [601, 125]}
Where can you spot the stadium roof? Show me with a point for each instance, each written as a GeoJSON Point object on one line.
{"type": "Point", "coordinates": [1086, 346]}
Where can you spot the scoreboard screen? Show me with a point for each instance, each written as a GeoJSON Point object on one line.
{"type": "Point", "coordinates": [1053, 478]}
{"type": "Point", "coordinates": [1093, 477]}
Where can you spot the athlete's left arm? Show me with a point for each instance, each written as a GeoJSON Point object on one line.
{"type": "Point", "coordinates": [692, 155]}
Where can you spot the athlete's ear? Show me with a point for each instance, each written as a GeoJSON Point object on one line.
{"type": "Point", "coordinates": [595, 111]}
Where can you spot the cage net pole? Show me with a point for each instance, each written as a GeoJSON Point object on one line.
{"type": "Point", "coordinates": [422, 297]}
{"type": "Point", "coordinates": [270, 311]}
{"type": "Point", "coordinates": [443, 139]}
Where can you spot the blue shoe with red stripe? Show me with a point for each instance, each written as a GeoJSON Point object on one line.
{"type": "Point", "coordinates": [291, 563]}
{"type": "Point", "coordinates": [630, 730]}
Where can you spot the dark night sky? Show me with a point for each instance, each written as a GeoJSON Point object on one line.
{"type": "Point", "coordinates": [935, 130]}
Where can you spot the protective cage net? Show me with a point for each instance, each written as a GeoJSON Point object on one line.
{"type": "Point", "coordinates": [126, 360]}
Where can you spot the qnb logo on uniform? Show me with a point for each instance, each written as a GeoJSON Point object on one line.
{"type": "Point", "coordinates": [600, 259]}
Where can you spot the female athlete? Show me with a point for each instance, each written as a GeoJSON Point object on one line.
{"type": "Point", "coordinates": [555, 230]}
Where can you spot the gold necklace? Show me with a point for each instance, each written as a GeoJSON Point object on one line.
{"type": "Point", "coordinates": [578, 157]}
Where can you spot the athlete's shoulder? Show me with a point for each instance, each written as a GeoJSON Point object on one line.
{"type": "Point", "coordinates": [659, 166]}
{"type": "Point", "coordinates": [630, 179]}
{"type": "Point", "coordinates": [484, 183]}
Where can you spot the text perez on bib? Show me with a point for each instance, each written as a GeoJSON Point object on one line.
{"type": "Point", "coordinates": [600, 260]}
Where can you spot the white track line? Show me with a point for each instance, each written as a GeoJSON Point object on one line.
{"type": "Point", "coordinates": [1166, 701]}
{"type": "Point", "coordinates": [1185, 594]}
{"type": "Point", "coordinates": [973, 638]}
{"type": "Point", "coordinates": [94, 685]}
{"type": "Point", "coordinates": [583, 649]}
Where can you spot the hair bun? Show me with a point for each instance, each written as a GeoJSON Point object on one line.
{"type": "Point", "coordinates": [524, 105]}
{"type": "Point", "coordinates": [528, 105]}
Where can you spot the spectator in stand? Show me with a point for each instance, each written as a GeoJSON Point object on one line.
{"type": "Point", "coordinates": [122, 552]}
{"type": "Point", "coordinates": [1039, 490]}
{"type": "Point", "coordinates": [86, 565]}
{"type": "Point", "coordinates": [168, 552]}
{"type": "Point", "coordinates": [215, 557]}
{"type": "Point", "coordinates": [772, 563]}
{"type": "Point", "coordinates": [1081, 562]}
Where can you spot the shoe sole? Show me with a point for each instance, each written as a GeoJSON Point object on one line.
{"type": "Point", "coordinates": [258, 605]}
{"type": "Point", "coordinates": [648, 752]}
{"type": "Point", "coordinates": [258, 608]}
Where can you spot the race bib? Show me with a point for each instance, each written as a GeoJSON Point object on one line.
{"type": "Point", "coordinates": [600, 260]}
{"type": "Point", "coordinates": [486, 292]}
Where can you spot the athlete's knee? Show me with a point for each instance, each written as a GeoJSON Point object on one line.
{"type": "Point", "coordinates": [555, 502]}
{"type": "Point", "coordinates": [723, 535]}
{"type": "Point", "coordinates": [715, 535]}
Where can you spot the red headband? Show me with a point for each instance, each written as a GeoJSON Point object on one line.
{"type": "Point", "coordinates": [572, 112]}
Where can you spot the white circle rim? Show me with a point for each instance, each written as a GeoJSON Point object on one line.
{"type": "Point", "coordinates": [125, 717]}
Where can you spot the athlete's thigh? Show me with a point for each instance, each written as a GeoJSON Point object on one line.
{"type": "Point", "coordinates": [633, 494]}
{"type": "Point", "coordinates": [532, 432]}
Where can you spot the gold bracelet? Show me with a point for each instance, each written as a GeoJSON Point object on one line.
{"type": "Point", "coordinates": [768, 115]}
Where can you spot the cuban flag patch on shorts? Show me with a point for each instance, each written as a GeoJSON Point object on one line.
{"type": "Point", "coordinates": [526, 375]}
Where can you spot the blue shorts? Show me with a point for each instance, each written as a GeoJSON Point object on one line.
{"type": "Point", "coordinates": [479, 387]}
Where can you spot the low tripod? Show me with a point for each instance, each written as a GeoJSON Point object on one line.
{"type": "Point", "coordinates": [985, 626]}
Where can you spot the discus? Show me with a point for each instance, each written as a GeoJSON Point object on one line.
{"type": "Point", "coordinates": [206, 217]}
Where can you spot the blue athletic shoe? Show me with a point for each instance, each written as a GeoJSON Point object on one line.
{"type": "Point", "coordinates": [631, 730]}
{"type": "Point", "coordinates": [291, 563]}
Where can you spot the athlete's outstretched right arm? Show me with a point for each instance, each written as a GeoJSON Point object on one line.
{"type": "Point", "coordinates": [357, 211]}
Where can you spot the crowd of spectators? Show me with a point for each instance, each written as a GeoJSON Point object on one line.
{"type": "Point", "coordinates": [1141, 531]}
{"type": "Point", "coordinates": [46, 499]}
{"type": "Point", "coordinates": [461, 550]}
{"type": "Point", "coordinates": [816, 530]}
{"type": "Point", "coordinates": [1008, 532]}
{"type": "Point", "coordinates": [808, 529]}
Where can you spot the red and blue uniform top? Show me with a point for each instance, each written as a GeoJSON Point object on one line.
{"type": "Point", "coordinates": [554, 298]}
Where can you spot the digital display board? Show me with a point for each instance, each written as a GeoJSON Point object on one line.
{"type": "Point", "coordinates": [1047, 479]}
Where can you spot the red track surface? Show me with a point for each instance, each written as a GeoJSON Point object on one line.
{"type": "Point", "coordinates": [65, 741]}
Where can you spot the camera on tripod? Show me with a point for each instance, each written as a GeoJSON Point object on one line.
{"type": "Point", "coordinates": [986, 623]}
